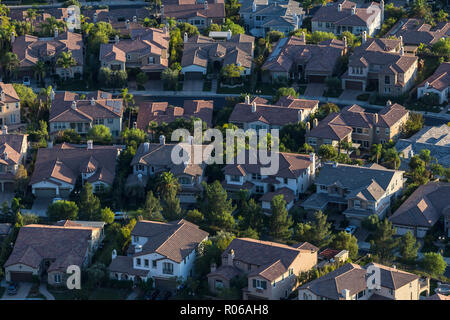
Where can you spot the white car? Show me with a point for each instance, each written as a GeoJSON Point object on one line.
{"type": "Point", "coordinates": [350, 229]}
{"type": "Point", "coordinates": [119, 215]}
{"type": "Point", "coordinates": [26, 81]}
{"type": "Point", "coordinates": [57, 199]}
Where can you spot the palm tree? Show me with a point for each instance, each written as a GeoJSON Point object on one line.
{"type": "Point", "coordinates": [376, 151]}
{"type": "Point", "coordinates": [167, 184]}
{"type": "Point", "coordinates": [391, 156]}
{"type": "Point", "coordinates": [10, 62]}
{"type": "Point", "coordinates": [66, 61]}
{"type": "Point", "coordinates": [127, 98]}
{"type": "Point", "coordinates": [32, 15]}
{"type": "Point", "coordinates": [39, 71]}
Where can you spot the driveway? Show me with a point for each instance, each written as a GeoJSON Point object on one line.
{"type": "Point", "coordinates": [22, 292]}
{"type": "Point", "coordinates": [154, 85]}
{"type": "Point", "coordinates": [39, 207]}
{"type": "Point", "coordinates": [315, 89]}
{"type": "Point", "coordinates": [350, 95]}
{"type": "Point", "coordinates": [193, 85]}
{"type": "Point", "coordinates": [6, 196]}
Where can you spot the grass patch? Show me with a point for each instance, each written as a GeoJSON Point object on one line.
{"type": "Point", "coordinates": [363, 97]}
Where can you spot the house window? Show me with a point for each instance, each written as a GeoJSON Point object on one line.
{"type": "Point", "coordinates": [235, 178]}
{"type": "Point", "coordinates": [378, 130]}
{"type": "Point", "coordinates": [57, 278]}
{"type": "Point", "coordinates": [17, 105]}
{"type": "Point", "coordinates": [365, 144]}
{"type": "Point", "coordinates": [110, 121]}
{"type": "Point", "coordinates": [357, 204]}
{"type": "Point", "coordinates": [312, 141]}
{"type": "Point", "coordinates": [185, 180]}
{"type": "Point", "coordinates": [218, 284]}
{"type": "Point", "coordinates": [140, 167]}
{"type": "Point", "coordinates": [151, 60]}
{"type": "Point", "coordinates": [154, 264]}
{"type": "Point", "coordinates": [387, 80]}
{"type": "Point", "coordinates": [285, 180]}
{"type": "Point", "coordinates": [386, 131]}
{"type": "Point", "coordinates": [167, 268]}
{"type": "Point", "coordinates": [249, 267]}
{"type": "Point", "coordinates": [128, 57]}
{"type": "Point", "coordinates": [146, 262]}
{"type": "Point", "coordinates": [138, 261]}
{"type": "Point", "coordinates": [136, 239]}
{"type": "Point", "coordinates": [259, 189]}
{"type": "Point", "coordinates": [259, 284]}
{"type": "Point", "coordinates": [323, 188]}
{"type": "Point", "coordinates": [360, 295]}
{"type": "Point", "coordinates": [256, 176]}
{"type": "Point", "coordinates": [99, 187]}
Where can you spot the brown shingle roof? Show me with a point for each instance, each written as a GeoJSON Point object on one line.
{"type": "Point", "coordinates": [416, 31]}
{"type": "Point", "coordinates": [330, 13]}
{"type": "Point", "coordinates": [393, 278]}
{"type": "Point", "coordinates": [10, 94]}
{"type": "Point", "coordinates": [185, 11]}
{"type": "Point", "coordinates": [440, 79]}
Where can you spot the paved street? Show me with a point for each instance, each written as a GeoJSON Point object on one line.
{"type": "Point", "coordinates": [193, 85]}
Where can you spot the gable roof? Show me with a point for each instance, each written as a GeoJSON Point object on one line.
{"type": "Point", "coordinates": [8, 94]}
{"type": "Point", "coordinates": [362, 16]}
{"type": "Point", "coordinates": [440, 79]}
{"type": "Point", "coordinates": [174, 240]}
{"type": "Point", "coordinates": [393, 278]}
{"type": "Point", "coordinates": [416, 31]}
{"type": "Point", "coordinates": [11, 148]}
{"type": "Point", "coordinates": [185, 11]}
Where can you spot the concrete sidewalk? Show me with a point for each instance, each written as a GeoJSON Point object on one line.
{"type": "Point", "coordinates": [45, 293]}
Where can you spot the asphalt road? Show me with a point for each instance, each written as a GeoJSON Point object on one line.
{"type": "Point", "coordinates": [220, 102]}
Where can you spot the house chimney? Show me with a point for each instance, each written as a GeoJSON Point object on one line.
{"type": "Point", "coordinates": [229, 34]}
{"type": "Point", "coordinates": [247, 99]}
{"type": "Point", "coordinates": [206, 5]}
{"type": "Point", "coordinates": [13, 37]}
{"type": "Point", "coordinates": [402, 51]}
{"type": "Point", "coordinates": [253, 106]}
{"type": "Point", "coordinates": [95, 17]}
{"type": "Point", "coordinates": [427, 84]}
{"type": "Point", "coordinates": [116, 39]}
{"type": "Point", "coordinates": [127, 24]}
{"type": "Point", "coordinates": [52, 94]}
{"type": "Point", "coordinates": [315, 122]}
{"type": "Point", "coordinates": [162, 10]}
{"type": "Point", "coordinates": [49, 144]}
{"type": "Point", "coordinates": [300, 115]}
{"type": "Point", "coordinates": [134, 19]}
{"type": "Point", "coordinates": [401, 41]}
{"type": "Point", "coordinates": [74, 105]}
{"type": "Point", "coordinates": [4, 129]}
{"type": "Point", "coordinates": [114, 254]}
{"type": "Point", "coordinates": [346, 294]}
{"type": "Point", "coordinates": [147, 146]}
{"type": "Point", "coordinates": [254, 6]}
{"type": "Point", "coordinates": [231, 257]}
{"type": "Point", "coordinates": [388, 103]}
{"type": "Point", "coordinates": [353, 10]}
{"type": "Point", "coordinates": [375, 117]}
{"type": "Point", "coordinates": [382, 10]}
{"type": "Point", "coordinates": [339, 7]}
{"type": "Point", "coordinates": [162, 139]}
{"type": "Point", "coordinates": [308, 127]}
{"type": "Point", "coordinates": [312, 158]}
{"type": "Point", "coordinates": [92, 101]}
{"type": "Point", "coordinates": [345, 41]}
{"type": "Point", "coordinates": [213, 267]}
{"type": "Point", "coordinates": [90, 144]}
{"type": "Point", "coordinates": [56, 32]}
{"type": "Point", "coordinates": [2, 95]}
{"type": "Point", "coordinates": [185, 38]}
{"type": "Point", "coordinates": [364, 37]}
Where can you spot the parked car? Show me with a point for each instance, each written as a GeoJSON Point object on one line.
{"type": "Point", "coordinates": [57, 199]}
{"type": "Point", "coordinates": [12, 288]}
{"type": "Point", "coordinates": [26, 81]}
{"type": "Point", "coordinates": [119, 215]}
{"type": "Point", "coordinates": [350, 229]}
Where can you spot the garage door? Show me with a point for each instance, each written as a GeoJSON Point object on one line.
{"type": "Point", "coordinates": [165, 285]}
{"type": "Point", "coordinates": [353, 85]}
{"type": "Point", "coordinates": [154, 75]}
{"type": "Point", "coordinates": [319, 79]}
{"type": "Point", "coordinates": [21, 276]}
{"type": "Point", "coordinates": [193, 76]}
{"type": "Point", "coordinates": [64, 192]}
{"type": "Point", "coordinates": [45, 193]}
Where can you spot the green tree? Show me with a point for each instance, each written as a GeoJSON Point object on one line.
{"type": "Point", "coordinates": [384, 243]}
{"type": "Point", "coordinates": [318, 232]}
{"type": "Point", "coordinates": [195, 216]}
{"type": "Point", "coordinates": [30, 218]}
{"type": "Point", "coordinates": [152, 208]}
{"type": "Point", "coordinates": [285, 92]}
{"type": "Point", "coordinates": [216, 207]}
{"type": "Point", "coordinates": [234, 27]}
{"type": "Point", "coordinates": [39, 71]}
{"type": "Point", "coordinates": [127, 99]}
{"type": "Point", "coordinates": [249, 233]}
{"type": "Point", "coordinates": [413, 124]}
{"type": "Point", "coordinates": [100, 134]}
{"type": "Point", "coordinates": [433, 263]}
{"type": "Point", "coordinates": [133, 136]}
{"type": "Point", "coordinates": [89, 204]}
{"type": "Point", "coordinates": [231, 73]}
{"type": "Point", "coordinates": [409, 247]}
{"type": "Point", "coordinates": [280, 222]}
{"type": "Point", "coordinates": [252, 216]}
{"type": "Point", "coordinates": [107, 215]}
{"type": "Point", "coordinates": [9, 62]}
{"type": "Point", "coordinates": [376, 151]}
{"type": "Point", "coordinates": [327, 152]}
{"type": "Point", "coordinates": [170, 78]}
{"type": "Point", "coordinates": [66, 61]}
{"type": "Point", "coordinates": [62, 210]}
{"type": "Point", "coordinates": [346, 241]}
{"type": "Point", "coordinates": [69, 136]}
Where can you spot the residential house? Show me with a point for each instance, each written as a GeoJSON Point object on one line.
{"type": "Point", "coordinates": [263, 16]}
{"type": "Point", "coordinates": [161, 251]}
{"type": "Point", "coordinates": [147, 50]}
{"type": "Point", "coordinates": [295, 174]}
{"type": "Point", "coordinates": [382, 65]}
{"type": "Point", "coordinates": [30, 49]}
{"type": "Point", "coordinates": [292, 58]}
{"type": "Point", "coordinates": [271, 268]}
{"type": "Point", "coordinates": [58, 168]}
{"type": "Point", "coordinates": [436, 139]}
{"type": "Point", "coordinates": [415, 32]}
{"type": "Point", "coordinates": [337, 17]}
{"type": "Point", "coordinates": [354, 124]}
{"type": "Point", "coordinates": [198, 13]}
{"type": "Point", "coordinates": [203, 54]}
{"type": "Point", "coordinates": [152, 159]}
{"type": "Point", "coordinates": [13, 151]}
{"type": "Point", "coordinates": [9, 105]}
{"type": "Point", "coordinates": [60, 14]}
{"type": "Point", "coordinates": [437, 83]}
{"type": "Point", "coordinates": [427, 205]}
{"type": "Point", "coordinates": [360, 190]}
{"type": "Point", "coordinates": [259, 114]}
{"type": "Point", "coordinates": [162, 112]}
{"type": "Point", "coordinates": [350, 282]}
{"type": "Point", "coordinates": [70, 111]}
{"type": "Point", "coordinates": [46, 251]}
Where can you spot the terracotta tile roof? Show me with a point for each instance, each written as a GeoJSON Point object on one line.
{"type": "Point", "coordinates": [291, 165]}
{"type": "Point", "coordinates": [297, 103]}
{"type": "Point", "coordinates": [99, 105]}
{"type": "Point", "coordinates": [113, 14]}
{"type": "Point", "coordinates": [291, 51]}
{"type": "Point", "coordinates": [65, 163]}
{"type": "Point", "coordinates": [174, 240]}
{"type": "Point", "coordinates": [163, 112]}
{"type": "Point", "coordinates": [65, 245]}
{"type": "Point", "coordinates": [328, 253]}
{"type": "Point", "coordinates": [185, 11]}
{"type": "Point", "coordinates": [424, 206]}
{"type": "Point", "coordinates": [440, 79]}
{"type": "Point", "coordinates": [306, 246]}
{"type": "Point", "coordinates": [225, 271]}
{"type": "Point", "coordinates": [29, 49]}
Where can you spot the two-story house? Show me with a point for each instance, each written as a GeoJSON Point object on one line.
{"type": "Point", "coordinates": [350, 282]}
{"type": "Point", "coordinates": [423, 209]}
{"type": "Point", "coordinates": [50, 249]}
{"type": "Point", "coordinates": [438, 83]}
{"type": "Point", "coordinates": [58, 168]}
{"type": "Point", "coordinates": [337, 17]}
{"type": "Point", "coordinates": [295, 174]}
{"type": "Point", "coordinates": [71, 111]}
{"type": "Point", "coordinates": [152, 159]}
{"type": "Point", "coordinates": [9, 105]}
{"type": "Point", "coordinates": [13, 150]}
{"type": "Point", "coordinates": [259, 114]}
{"type": "Point", "coordinates": [164, 252]}
{"type": "Point", "coordinates": [271, 268]}
{"type": "Point", "coordinates": [147, 50]}
{"type": "Point", "coordinates": [358, 191]}
{"type": "Point", "coordinates": [292, 58]}
{"type": "Point", "coordinates": [263, 16]}
{"type": "Point", "coordinates": [382, 65]}
{"type": "Point", "coordinates": [353, 124]}
{"type": "Point", "coordinates": [201, 54]}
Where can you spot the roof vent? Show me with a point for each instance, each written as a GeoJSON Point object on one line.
{"type": "Point", "coordinates": [146, 146]}
{"type": "Point", "coordinates": [353, 10]}
{"type": "Point", "coordinates": [162, 139]}
{"type": "Point", "coordinates": [339, 7]}
{"type": "Point", "coordinates": [92, 101]}
{"type": "Point", "coordinates": [253, 106]}
{"type": "Point", "coordinates": [74, 105]}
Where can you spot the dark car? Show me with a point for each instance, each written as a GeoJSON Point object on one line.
{"type": "Point", "coordinates": [12, 288]}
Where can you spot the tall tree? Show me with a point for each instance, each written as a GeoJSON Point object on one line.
{"type": "Point", "coordinates": [66, 61]}
{"type": "Point", "coordinates": [409, 247]}
{"type": "Point", "coordinates": [433, 263]}
{"type": "Point", "coordinates": [384, 243]}
{"type": "Point", "coordinates": [128, 99]}
{"type": "Point", "coordinates": [346, 241]}
{"type": "Point", "coordinates": [152, 208]}
{"type": "Point", "coordinates": [62, 210]}
{"type": "Point", "coordinates": [376, 151]}
{"type": "Point", "coordinates": [216, 207]}
{"type": "Point", "coordinates": [280, 222]}
{"type": "Point", "coordinates": [89, 204]}
{"type": "Point", "coordinates": [317, 232]}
